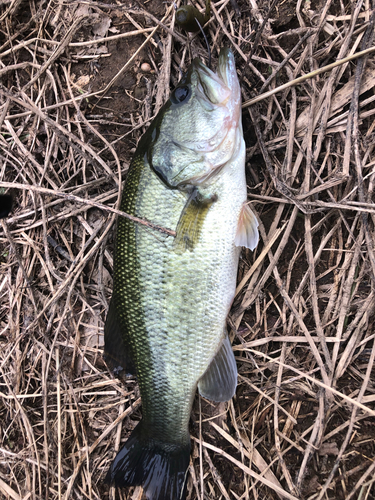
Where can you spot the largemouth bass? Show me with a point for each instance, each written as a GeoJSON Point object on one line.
{"type": "Point", "coordinates": [171, 296]}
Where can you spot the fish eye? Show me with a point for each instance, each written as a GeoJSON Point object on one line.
{"type": "Point", "coordinates": [181, 94]}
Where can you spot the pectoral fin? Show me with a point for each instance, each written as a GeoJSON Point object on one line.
{"type": "Point", "coordinates": [191, 221]}
{"type": "Point", "coordinates": [117, 352]}
{"type": "Point", "coordinates": [247, 234]}
{"type": "Point", "coordinates": [220, 380]}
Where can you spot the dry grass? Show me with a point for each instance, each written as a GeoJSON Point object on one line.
{"type": "Point", "coordinates": [302, 423]}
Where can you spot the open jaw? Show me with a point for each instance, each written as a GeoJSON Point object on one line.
{"type": "Point", "coordinates": [202, 133]}
{"type": "Point", "coordinates": [221, 90]}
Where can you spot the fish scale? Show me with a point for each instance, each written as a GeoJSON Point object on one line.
{"type": "Point", "coordinates": [171, 296]}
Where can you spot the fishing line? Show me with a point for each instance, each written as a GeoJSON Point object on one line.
{"type": "Point", "coordinates": [205, 39]}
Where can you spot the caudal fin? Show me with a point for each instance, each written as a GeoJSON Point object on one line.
{"type": "Point", "coordinates": [159, 468]}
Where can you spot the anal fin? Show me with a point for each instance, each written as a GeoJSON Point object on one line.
{"type": "Point", "coordinates": [117, 351]}
{"type": "Point", "coordinates": [247, 234]}
{"type": "Point", "coordinates": [220, 380]}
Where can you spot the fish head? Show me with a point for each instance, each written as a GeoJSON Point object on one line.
{"type": "Point", "coordinates": [198, 130]}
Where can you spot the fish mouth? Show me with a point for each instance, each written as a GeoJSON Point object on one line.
{"type": "Point", "coordinates": [219, 88]}
{"type": "Point", "coordinates": [209, 85]}
{"type": "Point", "coordinates": [214, 90]}
{"type": "Point", "coordinates": [226, 71]}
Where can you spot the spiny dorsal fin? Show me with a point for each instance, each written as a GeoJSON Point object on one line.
{"type": "Point", "coordinates": [247, 234]}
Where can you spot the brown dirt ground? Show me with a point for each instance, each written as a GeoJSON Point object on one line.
{"type": "Point", "coordinates": [302, 322]}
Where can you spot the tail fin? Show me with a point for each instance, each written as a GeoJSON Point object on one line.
{"type": "Point", "coordinates": [159, 468]}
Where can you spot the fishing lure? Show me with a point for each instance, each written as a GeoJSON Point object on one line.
{"type": "Point", "coordinates": [190, 19]}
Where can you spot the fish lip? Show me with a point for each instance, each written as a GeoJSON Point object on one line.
{"type": "Point", "coordinates": [226, 74]}
{"type": "Point", "coordinates": [221, 88]}
{"type": "Point", "coordinates": [226, 68]}
{"type": "Point", "coordinates": [226, 71]}
{"type": "Point", "coordinates": [209, 86]}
